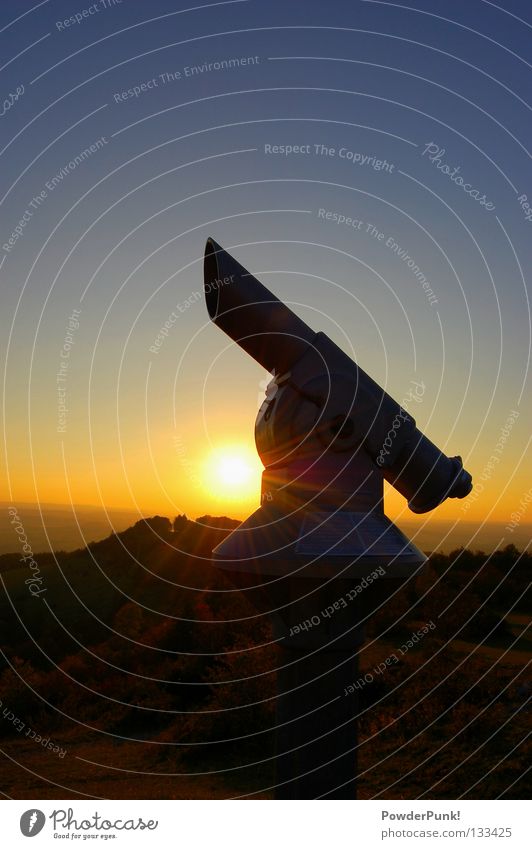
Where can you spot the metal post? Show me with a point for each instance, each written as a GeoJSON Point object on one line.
{"type": "Point", "coordinates": [316, 737]}
{"type": "Point", "coordinates": [317, 705]}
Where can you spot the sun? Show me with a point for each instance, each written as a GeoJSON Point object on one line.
{"type": "Point", "coordinates": [232, 472]}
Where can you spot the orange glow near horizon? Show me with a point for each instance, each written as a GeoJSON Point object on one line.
{"type": "Point", "coordinates": [224, 479]}
{"type": "Point", "coordinates": [216, 470]}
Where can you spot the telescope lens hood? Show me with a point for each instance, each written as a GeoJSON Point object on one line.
{"type": "Point", "coordinates": [250, 314]}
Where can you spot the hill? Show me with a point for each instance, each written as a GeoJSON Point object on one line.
{"type": "Point", "coordinates": [55, 527]}
{"type": "Point", "coordinates": [154, 676]}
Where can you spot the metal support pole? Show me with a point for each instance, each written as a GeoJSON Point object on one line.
{"type": "Point", "coordinates": [316, 734]}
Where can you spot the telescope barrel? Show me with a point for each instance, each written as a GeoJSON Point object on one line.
{"type": "Point", "coordinates": [250, 314]}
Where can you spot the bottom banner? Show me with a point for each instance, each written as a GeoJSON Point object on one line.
{"type": "Point", "coordinates": [257, 824]}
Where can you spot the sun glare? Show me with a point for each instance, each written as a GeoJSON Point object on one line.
{"type": "Point", "coordinates": [233, 472]}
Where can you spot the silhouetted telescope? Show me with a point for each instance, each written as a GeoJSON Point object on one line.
{"type": "Point", "coordinates": [327, 435]}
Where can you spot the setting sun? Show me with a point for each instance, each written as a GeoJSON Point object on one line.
{"type": "Point", "coordinates": [233, 472]}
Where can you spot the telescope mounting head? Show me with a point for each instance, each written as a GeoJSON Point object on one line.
{"type": "Point", "coordinates": [328, 435]}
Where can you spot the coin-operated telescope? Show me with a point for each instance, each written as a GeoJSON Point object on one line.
{"type": "Point", "coordinates": [328, 436]}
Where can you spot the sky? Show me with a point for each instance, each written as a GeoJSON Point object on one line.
{"type": "Point", "coordinates": [366, 160]}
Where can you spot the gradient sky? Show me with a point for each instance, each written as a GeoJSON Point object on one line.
{"type": "Point", "coordinates": [121, 237]}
